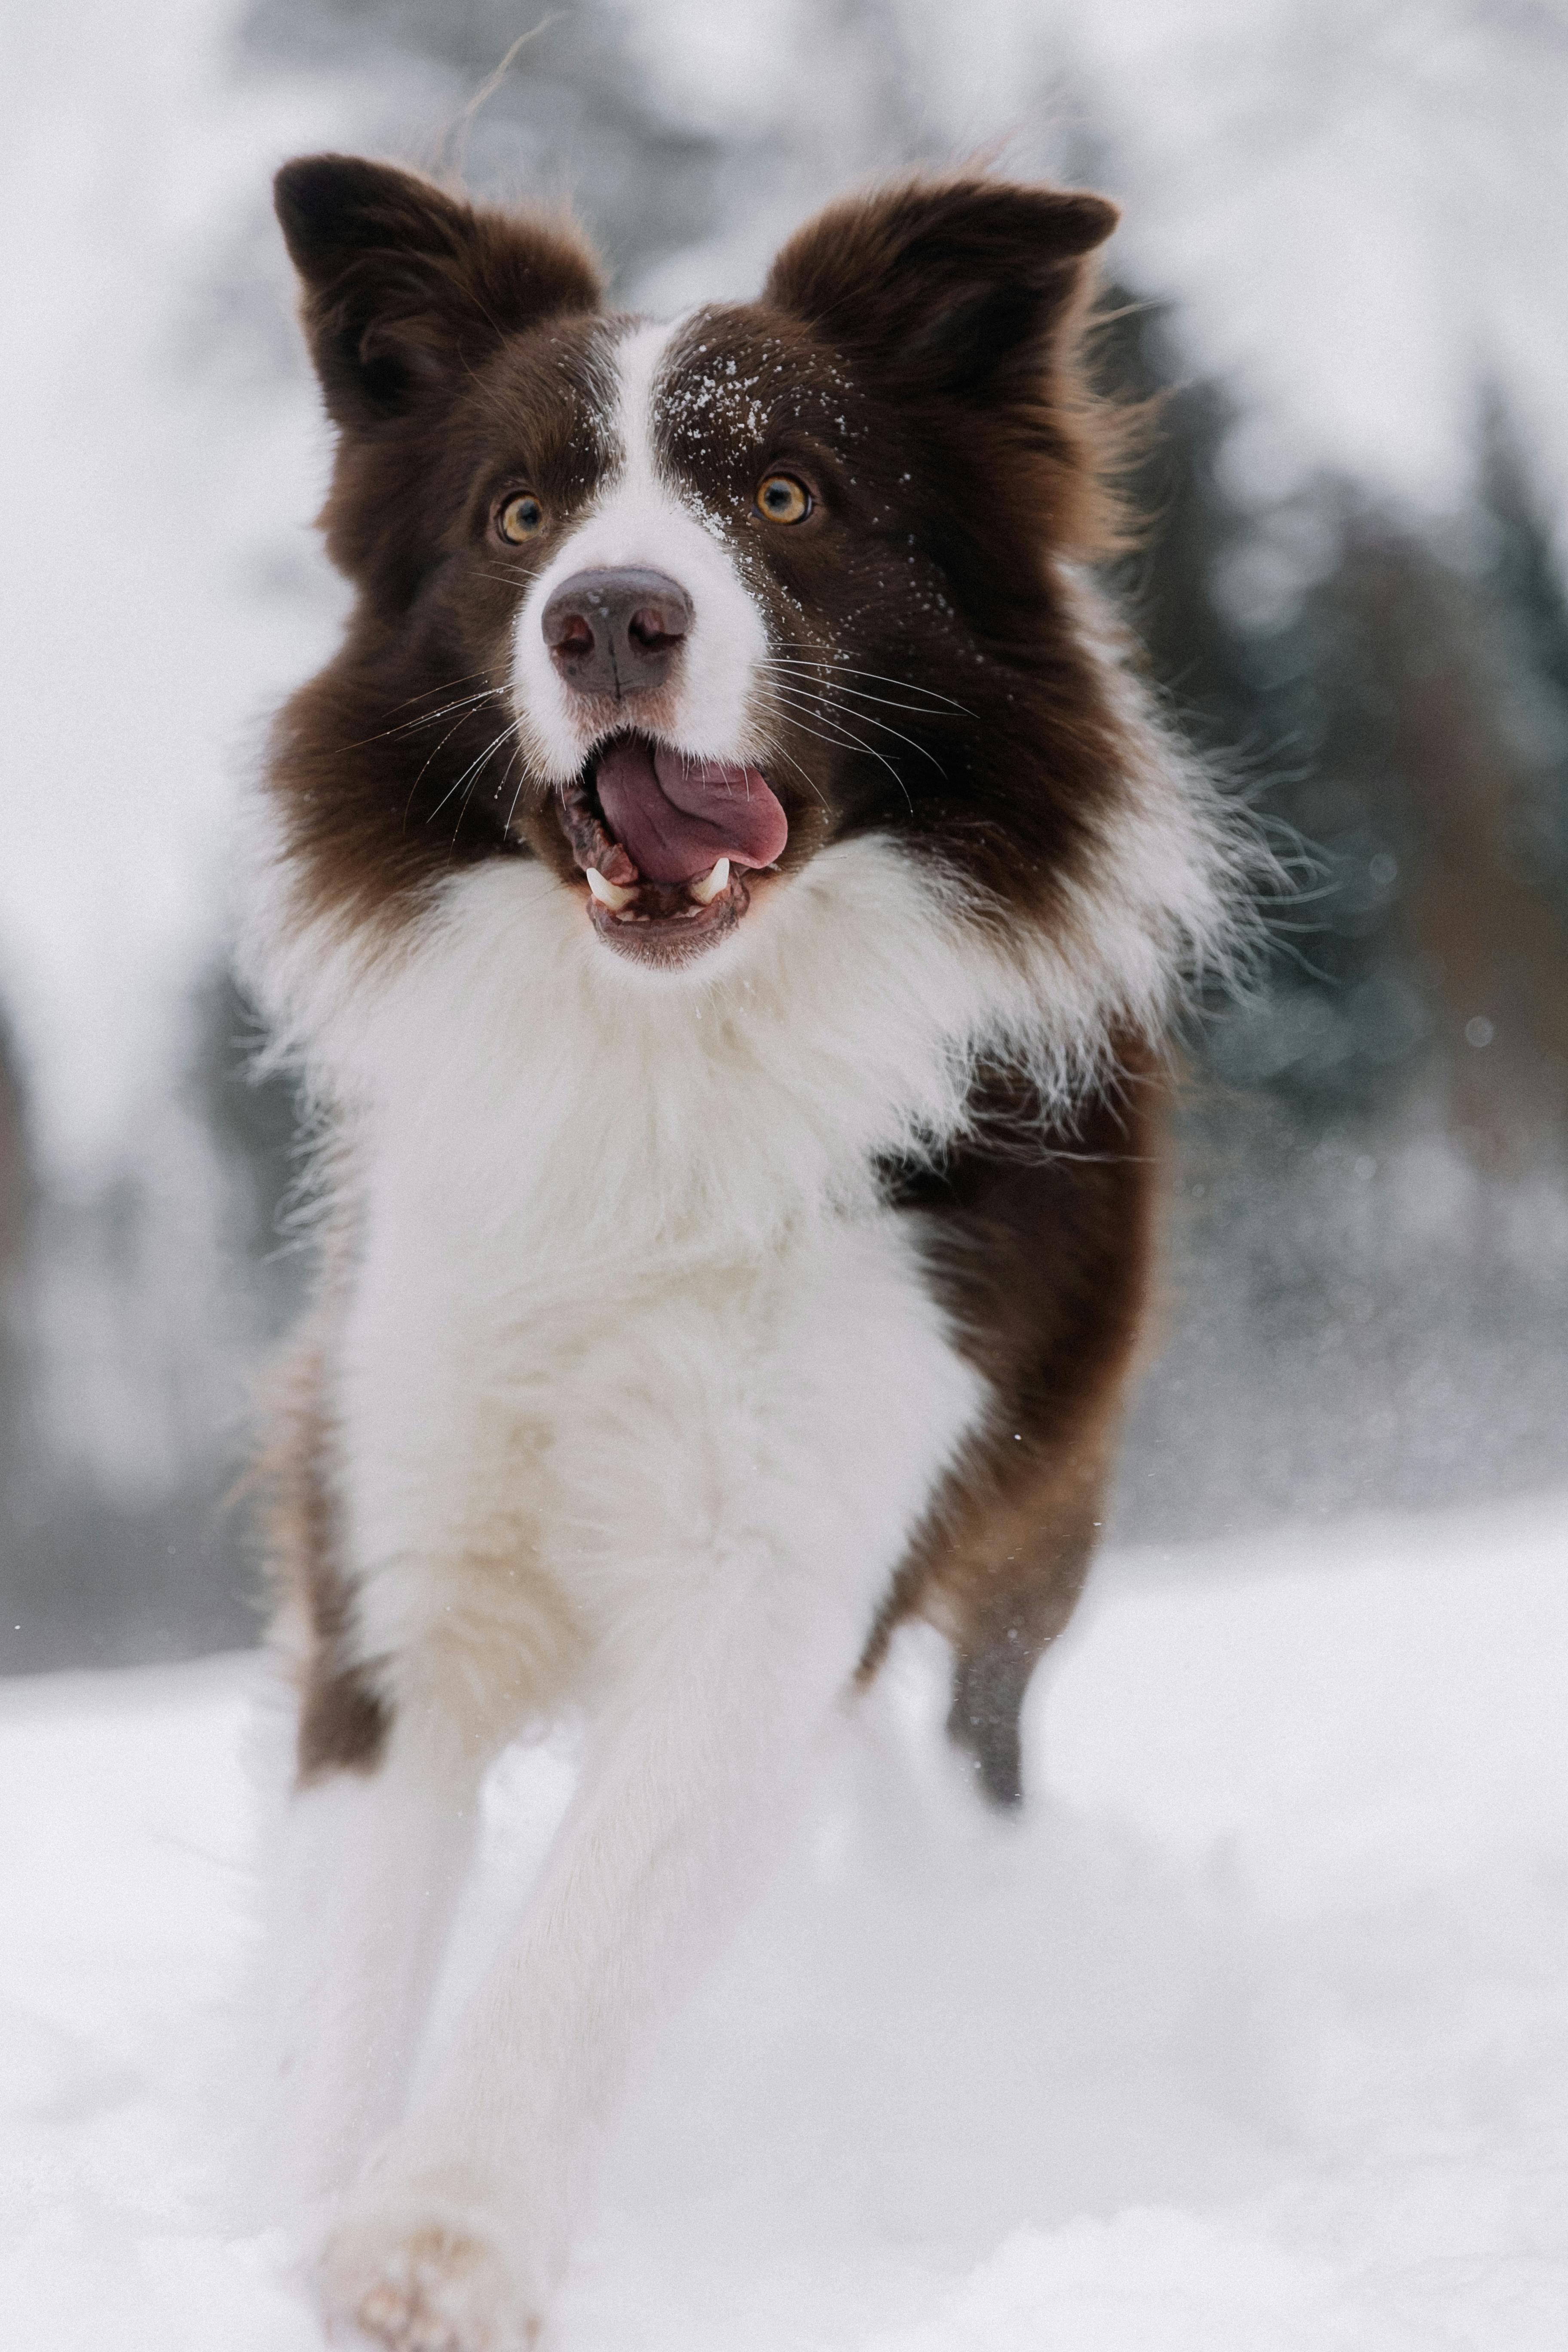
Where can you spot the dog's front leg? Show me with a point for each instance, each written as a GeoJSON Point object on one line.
{"type": "Point", "coordinates": [458, 2232]}
{"type": "Point", "coordinates": [366, 1869]}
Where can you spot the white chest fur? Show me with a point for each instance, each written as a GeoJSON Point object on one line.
{"type": "Point", "coordinates": [542, 1472]}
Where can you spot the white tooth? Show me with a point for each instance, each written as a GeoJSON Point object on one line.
{"type": "Point", "coordinates": [708, 890]}
{"type": "Point", "coordinates": [609, 894]}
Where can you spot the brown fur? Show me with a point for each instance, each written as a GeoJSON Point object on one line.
{"type": "Point", "coordinates": [1042, 1257]}
{"type": "Point", "coordinates": [343, 1719]}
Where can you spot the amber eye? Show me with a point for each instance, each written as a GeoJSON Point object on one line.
{"type": "Point", "coordinates": [522, 517]}
{"type": "Point", "coordinates": [784, 499]}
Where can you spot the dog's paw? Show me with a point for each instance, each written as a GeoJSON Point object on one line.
{"type": "Point", "coordinates": [436, 2284]}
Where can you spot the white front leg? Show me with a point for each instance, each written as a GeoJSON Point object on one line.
{"type": "Point", "coordinates": [679, 1810]}
{"type": "Point", "coordinates": [718, 1688]}
{"type": "Point", "coordinates": [363, 1885]}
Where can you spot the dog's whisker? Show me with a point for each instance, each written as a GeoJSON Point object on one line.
{"type": "Point", "coordinates": [842, 740]}
{"type": "Point", "coordinates": [434, 753]}
{"type": "Point", "coordinates": [881, 677]}
{"type": "Point", "coordinates": [445, 687]}
{"type": "Point", "coordinates": [475, 769]}
{"type": "Point", "coordinates": [885, 701]}
{"type": "Point", "coordinates": [515, 732]}
{"type": "Point", "coordinates": [426, 718]}
{"type": "Point", "coordinates": [518, 752]}
{"type": "Point", "coordinates": [863, 719]}
{"type": "Point", "coordinates": [410, 726]}
{"type": "Point", "coordinates": [809, 781]}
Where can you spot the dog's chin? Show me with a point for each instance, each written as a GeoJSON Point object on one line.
{"type": "Point", "coordinates": [665, 930]}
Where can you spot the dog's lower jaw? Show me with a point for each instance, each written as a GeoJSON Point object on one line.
{"type": "Point", "coordinates": [666, 927]}
{"type": "Point", "coordinates": [433, 2263]}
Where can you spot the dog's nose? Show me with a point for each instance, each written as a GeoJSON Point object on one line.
{"type": "Point", "coordinates": [615, 632]}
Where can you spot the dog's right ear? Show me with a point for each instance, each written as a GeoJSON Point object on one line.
{"type": "Point", "coordinates": [406, 289]}
{"type": "Point", "coordinates": [953, 288]}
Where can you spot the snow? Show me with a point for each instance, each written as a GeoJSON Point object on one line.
{"type": "Point", "coordinates": [1252, 2036]}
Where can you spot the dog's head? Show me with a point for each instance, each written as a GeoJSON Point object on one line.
{"type": "Point", "coordinates": [674, 607]}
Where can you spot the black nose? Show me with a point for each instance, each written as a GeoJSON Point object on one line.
{"type": "Point", "coordinates": [615, 632]}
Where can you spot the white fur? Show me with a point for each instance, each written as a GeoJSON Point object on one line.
{"type": "Point", "coordinates": [728, 1468]}
{"type": "Point", "coordinates": [641, 520]}
{"type": "Point", "coordinates": [639, 1397]}
{"type": "Point", "coordinates": [364, 1883]}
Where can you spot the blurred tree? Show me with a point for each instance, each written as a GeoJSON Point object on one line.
{"type": "Point", "coordinates": [1519, 576]}
{"type": "Point", "coordinates": [1399, 719]}
{"type": "Point", "coordinates": [133, 1319]}
{"type": "Point", "coordinates": [1247, 632]}
{"type": "Point", "coordinates": [16, 1162]}
{"type": "Point", "coordinates": [17, 1201]}
{"type": "Point", "coordinates": [570, 117]}
{"type": "Point", "coordinates": [1469, 920]}
{"type": "Point", "coordinates": [254, 1117]}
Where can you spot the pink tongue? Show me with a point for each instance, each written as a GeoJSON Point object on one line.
{"type": "Point", "coordinates": [677, 818]}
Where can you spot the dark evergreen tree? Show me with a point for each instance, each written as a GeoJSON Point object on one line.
{"type": "Point", "coordinates": [254, 1116]}
{"type": "Point", "coordinates": [1521, 578]}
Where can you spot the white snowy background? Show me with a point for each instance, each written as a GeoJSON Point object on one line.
{"type": "Point", "coordinates": [1254, 2034]}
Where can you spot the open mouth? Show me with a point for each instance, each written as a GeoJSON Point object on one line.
{"type": "Point", "coordinates": [667, 844]}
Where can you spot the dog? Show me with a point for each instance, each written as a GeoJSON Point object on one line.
{"type": "Point", "coordinates": [727, 897]}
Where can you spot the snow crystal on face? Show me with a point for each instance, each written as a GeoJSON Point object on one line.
{"type": "Point", "coordinates": [1253, 2033]}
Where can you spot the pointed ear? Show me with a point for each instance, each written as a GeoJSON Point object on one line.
{"type": "Point", "coordinates": [406, 286]}
{"type": "Point", "coordinates": [954, 287]}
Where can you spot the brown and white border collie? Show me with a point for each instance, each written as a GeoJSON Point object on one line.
{"type": "Point", "coordinates": [726, 895]}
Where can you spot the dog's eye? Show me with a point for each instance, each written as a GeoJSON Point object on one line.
{"type": "Point", "coordinates": [784, 499]}
{"type": "Point", "coordinates": [521, 518]}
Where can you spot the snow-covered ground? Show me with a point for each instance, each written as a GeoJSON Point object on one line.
{"type": "Point", "coordinates": [1252, 2037]}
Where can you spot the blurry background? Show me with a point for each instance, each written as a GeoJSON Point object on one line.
{"type": "Point", "coordinates": [1341, 263]}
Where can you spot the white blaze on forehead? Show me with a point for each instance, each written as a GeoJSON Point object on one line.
{"type": "Point", "coordinates": [642, 519]}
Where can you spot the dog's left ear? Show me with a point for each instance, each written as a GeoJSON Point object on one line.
{"type": "Point", "coordinates": [956, 287]}
{"type": "Point", "coordinates": [407, 287]}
